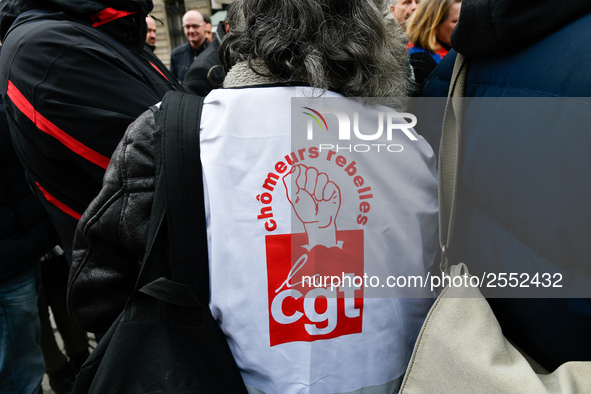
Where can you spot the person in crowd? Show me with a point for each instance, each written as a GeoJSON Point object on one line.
{"type": "Point", "coordinates": [208, 28]}
{"type": "Point", "coordinates": [205, 72]}
{"type": "Point", "coordinates": [401, 10]}
{"type": "Point", "coordinates": [151, 34]}
{"type": "Point", "coordinates": [523, 190]}
{"type": "Point", "coordinates": [285, 336]}
{"type": "Point", "coordinates": [27, 234]}
{"type": "Point", "coordinates": [182, 56]}
{"type": "Point", "coordinates": [429, 31]}
{"type": "Point", "coordinates": [74, 76]}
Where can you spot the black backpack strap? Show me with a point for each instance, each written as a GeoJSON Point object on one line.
{"type": "Point", "coordinates": [180, 120]}
{"type": "Point", "coordinates": [178, 197]}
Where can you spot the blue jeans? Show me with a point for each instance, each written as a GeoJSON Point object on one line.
{"type": "Point", "coordinates": [21, 359]}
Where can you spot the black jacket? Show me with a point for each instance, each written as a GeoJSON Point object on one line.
{"type": "Point", "coordinates": [74, 75]}
{"type": "Point", "coordinates": [26, 232]}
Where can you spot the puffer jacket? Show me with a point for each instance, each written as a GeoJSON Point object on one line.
{"type": "Point", "coordinates": [523, 190]}
{"type": "Point", "coordinates": [95, 299]}
{"type": "Point", "coordinates": [74, 75]}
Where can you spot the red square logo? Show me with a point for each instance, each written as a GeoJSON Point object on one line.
{"type": "Point", "coordinates": [313, 294]}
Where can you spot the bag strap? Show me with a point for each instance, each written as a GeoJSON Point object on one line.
{"type": "Point", "coordinates": [178, 198]}
{"type": "Point", "coordinates": [182, 175]}
{"type": "Point", "coordinates": [449, 156]}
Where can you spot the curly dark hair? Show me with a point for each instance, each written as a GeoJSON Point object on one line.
{"type": "Point", "coordinates": [348, 46]}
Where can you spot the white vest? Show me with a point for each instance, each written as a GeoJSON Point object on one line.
{"type": "Point", "coordinates": [365, 212]}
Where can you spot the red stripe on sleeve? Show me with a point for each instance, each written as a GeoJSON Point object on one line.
{"type": "Point", "coordinates": [63, 207]}
{"type": "Point", "coordinates": [49, 128]}
{"type": "Point", "coordinates": [107, 15]}
{"type": "Point", "coordinates": [160, 71]}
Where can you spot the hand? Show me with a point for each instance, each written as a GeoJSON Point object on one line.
{"type": "Point", "coordinates": [316, 202]}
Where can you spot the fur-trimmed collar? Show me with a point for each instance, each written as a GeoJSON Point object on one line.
{"type": "Point", "coordinates": [242, 75]}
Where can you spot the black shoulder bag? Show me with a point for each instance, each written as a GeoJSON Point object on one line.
{"type": "Point", "coordinates": [166, 340]}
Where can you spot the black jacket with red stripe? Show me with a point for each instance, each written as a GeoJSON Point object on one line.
{"type": "Point", "coordinates": [26, 233]}
{"type": "Point", "coordinates": [73, 76]}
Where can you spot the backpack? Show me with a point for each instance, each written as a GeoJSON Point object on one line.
{"type": "Point", "coordinates": [166, 339]}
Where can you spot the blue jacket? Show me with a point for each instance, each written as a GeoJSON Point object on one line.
{"type": "Point", "coordinates": [525, 191]}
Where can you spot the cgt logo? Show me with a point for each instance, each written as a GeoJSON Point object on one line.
{"type": "Point", "coordinates": [300, 309]}
{"type": "Point", "coordinates": [394, 121]}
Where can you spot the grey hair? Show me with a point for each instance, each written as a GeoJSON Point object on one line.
{"type": "Point", "coordinates": [343, 45]}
